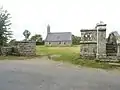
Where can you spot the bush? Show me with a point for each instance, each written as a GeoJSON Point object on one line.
{"type": "Point", "coordinates": [40, 43]}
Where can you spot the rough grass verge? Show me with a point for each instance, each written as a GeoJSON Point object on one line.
{"type": "Point", "coordinates": [18, 57]}
{"type": "Point", "coordinates": [71, 55]}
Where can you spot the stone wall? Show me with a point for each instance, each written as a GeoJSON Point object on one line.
{"type": "Point", "coordinates": [93, 41]}
{"type": "Point", "coordinates": [88, 50]}
{"type": "Point", "coordinates": [26, 48]}
{"type": "Point", "coordinates": [88, 43]}
{"type": "Point", "coordinates": [67, 43]}
{"type": "Point", "coordinates": [6, 50]}
{"type": "Point", "coordinates": [88, 35]}
{"type": "Point", "coordinates": [21, 48]}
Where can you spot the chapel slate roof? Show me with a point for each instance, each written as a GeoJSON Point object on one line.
{"type": "Point", "coordinates": [59, 36]}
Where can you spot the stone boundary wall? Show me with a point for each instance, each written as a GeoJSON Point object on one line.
{"type": "Point", "coordinates": [21, 48]}
{"type": "Point", "coordinates": [88, 50]}
{"type": "Point", "coordinates": [88, 43]}
{"type": "Point", "coordinates": [6, 51]}
{"type": "Point", "coordinates": [26, 48]}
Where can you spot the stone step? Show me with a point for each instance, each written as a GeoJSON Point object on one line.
{"type": "Point", "coordinates": [115, 64]}
{"type": "Point", "coordinates": [110, 46]}
{"type": "Point", "coordinates": [112, 57]}
{"type": "Point", "coordinates": [111, 54]}
{"type": "Point", "coordinates": [109, 60]}
{"type": "Point", "coordinates": [110, 51]}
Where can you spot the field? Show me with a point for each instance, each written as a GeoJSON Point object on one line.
{"type": "Point", "coordinates": [71, 55]}
{"type": "Point", "coordinates": [59, 53]}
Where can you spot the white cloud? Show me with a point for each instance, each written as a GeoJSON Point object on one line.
{"type": "Point", "coordinates": [62, 15]}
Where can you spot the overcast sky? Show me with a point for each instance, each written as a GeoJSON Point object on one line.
{"type": "Point", "coordinates": [62, 15]}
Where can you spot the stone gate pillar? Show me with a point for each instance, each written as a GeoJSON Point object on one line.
{"type": "Point", "coordinates": [101, 40]}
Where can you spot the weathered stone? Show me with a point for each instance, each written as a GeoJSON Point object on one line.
{"type": "Point", "coordinates": [94, 43]}
{"type": "Point", "coordinates": [101, 44]}
{"type": "Point", "coordinates": [27, 48]}
{"type": "Point", "coordinates": [6, 50]}
{"type": "Point", "coordinates": [88, 43]}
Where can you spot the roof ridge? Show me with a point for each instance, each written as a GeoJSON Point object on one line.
{"type": "Point", "coordinates": [59, 36]}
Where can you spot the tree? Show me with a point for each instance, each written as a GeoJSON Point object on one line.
{"type": "Point", "coordinates": [12, 42]}
{"type": "Point", "coordinates": [36, 38]}
{"type": "Point", "coordinates": [75, 40]}
{"type": "Point", "coordinates": [5, 23]}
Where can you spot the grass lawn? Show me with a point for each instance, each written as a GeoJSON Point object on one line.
{"type": "Point", "coordinates": [59, 53]}
{"type": "Point", "coordinates": [70, 54]}
{"type": "Point", "coordinates": [15, 57]}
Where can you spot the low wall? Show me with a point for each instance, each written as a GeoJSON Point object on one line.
{"type": "Point", "coordinates": [21, 48]}
{"type": "Point", "coordinates": [6, 50]}
{"type": "Point", "coordinates": [88, 50]}
{"type": "Point", "coordinates": [26, 48]}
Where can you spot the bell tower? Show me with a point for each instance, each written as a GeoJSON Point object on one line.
{"type": "Point", "coordinates": [48, 29]}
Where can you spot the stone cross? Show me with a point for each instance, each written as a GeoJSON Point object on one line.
{"type": "Point", "coordinates": [26, 33]}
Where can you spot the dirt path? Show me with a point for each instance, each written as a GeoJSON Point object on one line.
{"type": "Point", "coordinates": [43, 74]}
